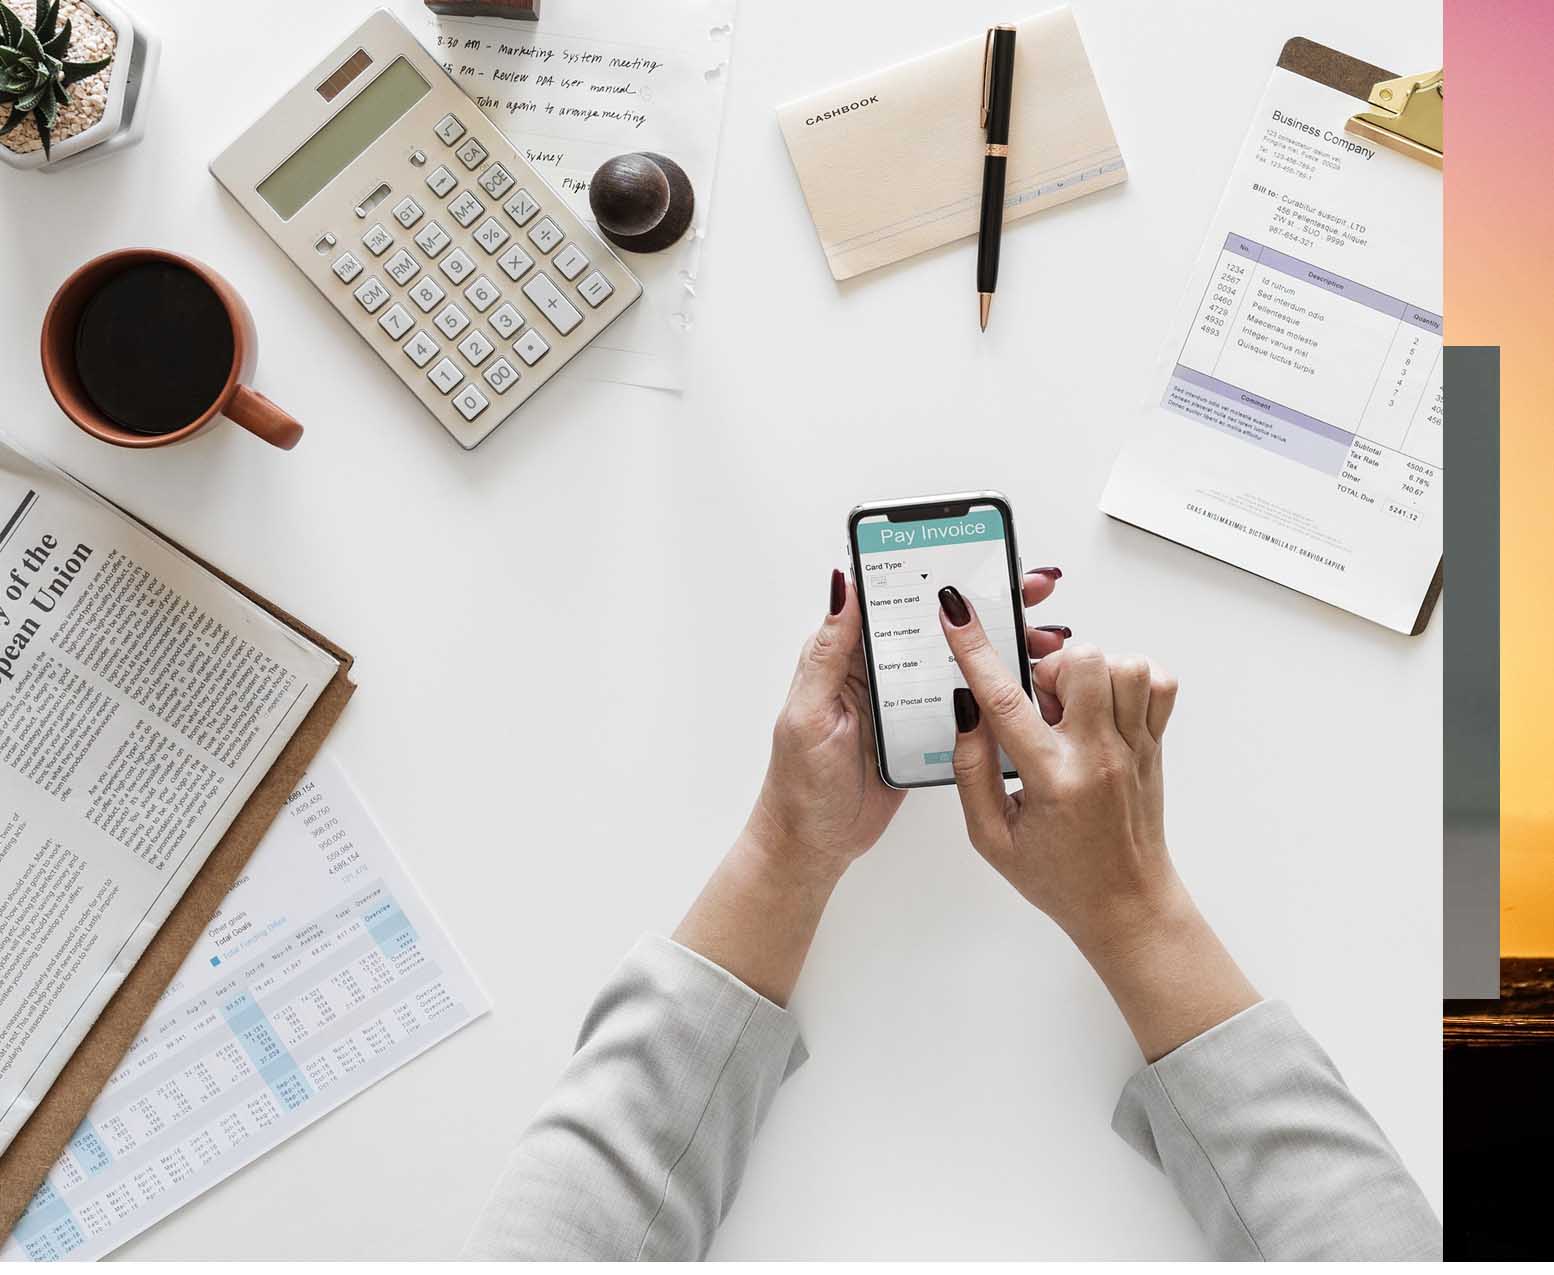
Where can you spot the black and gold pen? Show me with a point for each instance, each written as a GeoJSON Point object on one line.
{"type": "Point", "coordinates": [997, 92]}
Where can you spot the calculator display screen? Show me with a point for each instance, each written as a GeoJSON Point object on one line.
{"type": "Point", "coordinates": [358, 124]}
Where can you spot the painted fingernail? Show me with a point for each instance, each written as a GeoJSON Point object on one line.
{"type": "Point", "coordinates": [1062, 629]}
{"type": "Point", "coordinates": [954, 605]}
{"type": "Point", "coordinates": [1055, 573]}
{"type": "Point", "coordinates": [838, 592]}
{"type": "Point", "coordinates": [967, 714]}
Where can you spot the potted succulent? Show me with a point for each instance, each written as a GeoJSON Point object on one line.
{"type": "Point", "coordinates": [73, 79]}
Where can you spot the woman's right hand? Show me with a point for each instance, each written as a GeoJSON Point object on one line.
{"type": "Point", "coordinates": [1084, 838]}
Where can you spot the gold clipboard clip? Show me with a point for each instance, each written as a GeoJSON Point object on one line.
{"type": "Point", "coordinates": [1409, 118]}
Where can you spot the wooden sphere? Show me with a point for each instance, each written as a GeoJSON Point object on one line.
{"type": "Point", "coordinates": [643, 202]}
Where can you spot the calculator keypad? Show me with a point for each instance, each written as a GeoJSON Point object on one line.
{"type": "Point", "coordinates": [402, 267]}
{"type": "Point", "coordinates": [472, 154]}
{"type": "Point", "coordinates": [491, 235]}
{"type": "Point", "coordinates": [474, 344]}
{"type": "Point", "coordinates": [421, 349]}
{"type": "Point", "coordinates": [396, 321]}
{"type": "Point", "coordinates": [347, 266]}
{"type": "Point", "coordinates": [571, 261]}
{"type": "Point", "coordinates": [432, 239]}
{"type": "Point", "coordinates": [546, 234]}
{"type": "Point", "coordinates": [457, 265]}
{"type": "Point", "coordinates": [451, 320]}
{"type": "Point", "coordinates": [377, 240]}
{"type": "Point", "coordinates": [547, 298]}
{"type": "Point", "coordinates": [426, 294]}
{"type": "Point", "coordinates": [407, 212]}
{"type": "Point", "coordinates": [482, 294]}
{"type": "Point", "coordinates": [372, 295]}
{"type": "Point", "coordinates": [445, 375]}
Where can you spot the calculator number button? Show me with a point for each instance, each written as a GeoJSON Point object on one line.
{"type": "Point", "coordinates": [427, 294]}
{"type": "Point", "coordinates": [516, 262]}
{"type": "Point", "coordinates": [491, 235]}
{"type": "Point", "coordinates": [464, 208]}
{"type": "Point", "coordinates": [441, 180]}
{"type": "Point", "coordinates": [403, 267]}
{"type": "Point", "coordinates": [457, 265]}
{"type": "Point", "coordinates": [521, 207]}
{"type": "Point", "coordinates": [476, 348]}
{"type": "Point", "coordinates": [482, 294]}
{"type": "Point", "coordinates": [472, 154]}
{"type": "Point", "coordinates": [445, 375]}
{"type": "Point", "coordinates": [501, 376]}
{"type": "Point", "coordinates": [449, 129]}
{"type": "Point", "coordinates": [531, 347]}
{"type": "Point", "coordinates": [561, 313]}
{"type": "Point", "coordinates": [496, 181]}
{"type": "Point", "coordinates": [432, 239]}
{"type": "Point", "coordinates": [452, 321]}
{"type": "Point", "coordinates": [571, 261]}
{"type": "Point", "coordinates": [505, 322]}
{"type": "Point", "coordinates": [396, 321]}
{"type": "Point", "coordinates": [377, 240]}
{"type": "Point", "coordinates": [595, 289]}
{"type": "Point", "coordinates": [546, 235]}
{"type": "Point", "coordinates": [407, 212]}
{"type": "Point", "coordinates": [372, 295]}
{"type": "Point", "coordinates": [471, 402]}
{"type": "Point", "coordinates": [420, 349]}
{"type": "Point", "coordinates": [346, 266]}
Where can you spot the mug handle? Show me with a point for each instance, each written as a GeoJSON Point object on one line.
{"type": "Point", "coordinates": [258, 415]}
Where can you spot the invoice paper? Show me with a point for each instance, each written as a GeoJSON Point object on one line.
{"type": "Point", "coordinates": [323, 971]}
{"type": "Point", "coordinates": [1298, 427]}
{"type": "Point", "coordinates": [593, 79]}
{"type": "Point", "coordinates": [142, 699]}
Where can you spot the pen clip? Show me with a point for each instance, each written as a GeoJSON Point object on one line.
{"type": "Point", "coordinates": [987, 76]}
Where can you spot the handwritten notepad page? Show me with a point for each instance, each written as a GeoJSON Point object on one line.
{"type": "Point", "coordinates": [597, 78]}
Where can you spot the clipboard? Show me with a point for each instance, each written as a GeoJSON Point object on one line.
{"type": "Point", "coordinates": [43, 1139]}
{"type": "Point", "coordinates": [1358, 79]}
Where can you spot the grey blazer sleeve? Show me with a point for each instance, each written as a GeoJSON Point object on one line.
{"type": "Point", "coordinates": [1270, 1152]}
{"type": "Point", "coordinates": [640, 1150]}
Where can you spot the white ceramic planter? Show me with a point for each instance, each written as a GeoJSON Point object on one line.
{"type": "Point", "coordinates": [124, 119]}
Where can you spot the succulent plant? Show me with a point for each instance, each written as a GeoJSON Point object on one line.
{"type": "Point", "coordinates": [34, 75]}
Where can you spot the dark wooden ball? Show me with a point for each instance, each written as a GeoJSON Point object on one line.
{"type": "Point", "coordinates": [643, 202]}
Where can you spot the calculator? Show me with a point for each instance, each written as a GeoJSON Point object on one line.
{"type": "Point", "coordinates": [440, 244]}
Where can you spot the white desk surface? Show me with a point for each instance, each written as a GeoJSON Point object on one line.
{"type": "Point", "coordinates": [572, 642]}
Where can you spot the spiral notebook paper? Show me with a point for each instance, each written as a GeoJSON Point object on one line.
{"type": "Point", "coordinates": [891, 163]}
{"type": "Point", "coordinates": [1295, 427]}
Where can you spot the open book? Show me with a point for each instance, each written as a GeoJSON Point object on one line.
{"type": "Point", "coordinates": [142, 699]}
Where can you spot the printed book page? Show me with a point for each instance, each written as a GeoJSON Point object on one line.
{"type": "Point", "coordinates": [592, 79]}
{"type": "Point", "coordinates": [323, 971]}
{"type": "Point", "coordinates": [1297, 425]}
{"type": "Point", "coordinates": [142, 699]}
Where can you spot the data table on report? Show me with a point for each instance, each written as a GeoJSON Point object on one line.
{"type": "Point", "coordinates": [1319, 369]}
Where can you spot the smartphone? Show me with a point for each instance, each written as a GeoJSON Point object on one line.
{"type": "Point", "coordinates": [903, 552]}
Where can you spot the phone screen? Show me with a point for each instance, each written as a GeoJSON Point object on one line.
{"type": "Point", "coordinates": [902, 562]}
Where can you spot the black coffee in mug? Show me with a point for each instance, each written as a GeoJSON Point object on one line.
{"type": "Point", "coordinates": [154, 348]}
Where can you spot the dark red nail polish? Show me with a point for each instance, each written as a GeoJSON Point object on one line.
{"type": "Point", "coordinates": [838, 592]}
{"type": "Point", "coordinates": [1055, 572]}
{"type": "Point", "coordinates": [967, 714]}
{"type": "Point", "coordinates": [1054, 628]}
{"type": "Point", "coordinates": [954, 605]}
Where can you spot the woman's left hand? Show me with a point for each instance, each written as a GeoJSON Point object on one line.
{"type": "Point", "coordinates": [823, 803]}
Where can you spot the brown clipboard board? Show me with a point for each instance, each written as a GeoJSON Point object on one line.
{"type": "Point", "coordinates": [43, 1139]}
{"type": "Point", "coordinates": [1356, 78]}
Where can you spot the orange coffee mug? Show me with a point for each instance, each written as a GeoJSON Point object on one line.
{"type": "Point", "coordinates": [136, 353]}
